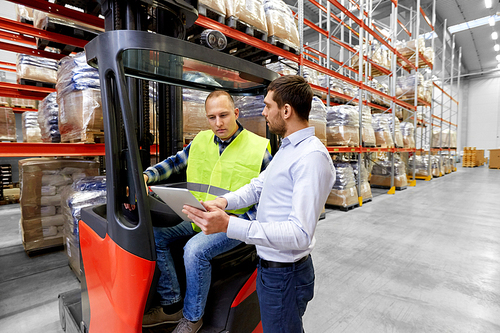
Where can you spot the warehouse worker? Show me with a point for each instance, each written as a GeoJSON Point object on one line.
{"type": "Point", "coordinates": [225, 158]}
{"type": "Point", "coordinates": [291, 193]}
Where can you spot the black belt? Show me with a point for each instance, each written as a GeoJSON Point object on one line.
{"type": "Point", "coordinates": [274, 264]}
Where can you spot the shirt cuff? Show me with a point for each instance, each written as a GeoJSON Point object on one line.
{"type": "Point", "coordinates": [151, 175]}
{"type": "Point", "coordinates": [231, 201]}
{"type": "Point", "coordinates": [237, 228]}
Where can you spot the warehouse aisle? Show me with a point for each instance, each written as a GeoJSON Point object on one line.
{"type": "Point", "coordinates": [423, 260]}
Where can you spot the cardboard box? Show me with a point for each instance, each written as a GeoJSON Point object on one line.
{"type": "Point", "coordinates": [494, 159]}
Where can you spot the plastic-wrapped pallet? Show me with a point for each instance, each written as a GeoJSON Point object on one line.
{"type": "Point", "coordinates": [317, 118]}
{"type": "Point", "coordinates": [251, 117]}
{"type": "Point", "coordinates": [88, 191]}
{"type": "Point", "coordinates": [42, 181]}
{"type": "Point", "coordinates": [4, 101]}
{"type": "Point", "coordinates": [217, 5]}
{"type": "Point", "coordinates": [408, 49]}
{"type": "Point", "coordinates": [31, 129]}
{"type": "Point", "coordinates": [429, 54]}
{"type": "Point", "coordinates": [421, 165]}
{"type": "Point", "coordinates": [437, 140]}
{"type": "Point", "coordinates": [283, 66]}
{"type": "Point", "coordinates": [349, 90]}
{"type": "Point", "coordinates": [193, 105]}
{"type": "Point", "coordinates": [336, 85]}
{"type": "Point", "coordinates": [311, 75]}
{"type": "Point", "coordinates": [79, 99]}
{"type": "Point", "coordinates": [366, 190]}
{"type": "Point", "coordinates": [344, 192]}
{"type": "Point", "coordinates": [408, 132]}
{"type": "Point", "coordinates": [41, 20]}
{"type": "Point", "coordinates": [7, 125]}
{"type": "Point", "coordinates": [48, 118]}
{"type": "Point", "coordinates": [383, 134]}
{"type": "Point", "coordinates": [24, 13]}
{"type": "Point", "coordinates": [281, 23]}
{"type": "Point", "coordinates": [381, 173]}
{"type": "Point", "coordinates": [35, 68]}
{"type": "Point", "coordinates": [194, 115]}
{"type": "Point", "coordinates": [342, 128]}
{"type": "Point", "coordinates": [249, 11]}
{"type": "Point", "coordinates": [405, 86]}
{"type": "Point", "coordinates": [369, 139]}
{"type": "Point", "coordinates": [396, 128]}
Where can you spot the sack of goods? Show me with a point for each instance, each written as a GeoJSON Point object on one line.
{"type": "Point", "coordinates": [310, 75]}
{"type": "Point", "coordinates": [317, 118]}
{"type": "Point", "coordinates": [24, 13]}
{"type": "Point", "coordinates": [421, 165]}
{"type": "Point", "coordinates": [396, 128]}
{"type": "Point", "coordinates": [369, 139]}
{"type": "Point", "coordinates": [216, 5]}
{"type": "Point", "coordinates": [85, 192]}
{"type": "Point", "coordinates": [283, 66]}
{"type": "Point", "coordinates": [31, 129]}
{"type": "Point", "coordinates": [79, 99]}
{"type": "Point", "coordinates": [7, 125]}
{"type": "Point", "coordinates": [48, 118]}
{"type": "Point", "coordinates": [366, 190]}
{"type": "Point", "coordinates": [383, 134]}
{"type": "Point", "coordinates": [342, 127]}
{"type": "Point", "coordinates": [36, 68]}
{"type": "Point", "coordinates": [250, 12]}
{"type": "Point", "coordinates": [381, 173]}
{"type": "Point", "coordinates": [251, 117]}
{"type": "Point", "coordinates": [281, 23]}
{"type": "Point", "coordinates": [448, 138]}
{"type": "Point", "coordinates": [344, 192]}
{"type": "Point", "coordinates": [408, 132]}
{"type": "Point", "coordinates": [42, 182]}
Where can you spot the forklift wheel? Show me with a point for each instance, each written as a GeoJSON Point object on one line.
{"type": "Point", "coordinates": [62, 314]}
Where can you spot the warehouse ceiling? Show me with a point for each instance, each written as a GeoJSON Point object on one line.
{"type": "Point", "coordinates": [478, 54]}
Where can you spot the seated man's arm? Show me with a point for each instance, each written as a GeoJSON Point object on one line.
{"type": "Point", "coordinates": [163, 170]}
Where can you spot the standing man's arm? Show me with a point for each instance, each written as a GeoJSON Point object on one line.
{"type": "Point", "coordinates": [313, 179]}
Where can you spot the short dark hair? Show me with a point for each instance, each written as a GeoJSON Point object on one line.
{"type": "Point", "coordinates": [295, 91]}
{"type": "Point", "coordinates": [217, 93]}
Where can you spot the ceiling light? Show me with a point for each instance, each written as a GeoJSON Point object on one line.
{"type": "Point", "coordinates": [498, 57]}
{"type": "Point", "coordinates": [496, 47]}
{"type": "Point", "coordinates": [491, 21]}
{"type": "Point", "coordinates": [488, 3]}
{"type": "Point", "coordinates": [494, 35]}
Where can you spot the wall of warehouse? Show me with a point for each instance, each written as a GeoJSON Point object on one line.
{"type": "Point", "coordinates": [482, 112]}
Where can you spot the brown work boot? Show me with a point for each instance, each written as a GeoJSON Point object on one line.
{"type": "Point", "coordinates": [156, 316]}
{"type": "Point", "coordinates": [186, 326]}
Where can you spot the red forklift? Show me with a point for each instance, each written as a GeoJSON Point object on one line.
{"type": "Point", "coordinates": [145, 42]}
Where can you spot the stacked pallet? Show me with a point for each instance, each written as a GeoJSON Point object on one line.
{"type": "Point", "coordinates": [469, 158]}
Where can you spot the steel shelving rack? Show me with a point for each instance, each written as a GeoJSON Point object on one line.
{"type": "Point", "coordinates": [331, 56]}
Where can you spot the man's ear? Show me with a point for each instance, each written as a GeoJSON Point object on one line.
{"type": "Point", "coordinates": [287, 111]}
{"type": "Point", "coordinates": [236, 113]}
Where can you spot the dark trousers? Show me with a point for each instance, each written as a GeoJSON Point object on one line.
{"type": "Point", "coordinates": [283, 296]}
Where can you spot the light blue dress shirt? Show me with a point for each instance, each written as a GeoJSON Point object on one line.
{"type": "Point", "coordinates": [291, 194]}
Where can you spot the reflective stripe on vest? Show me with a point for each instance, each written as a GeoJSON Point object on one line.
{"type": "Point", "coordinates": [210, 175]}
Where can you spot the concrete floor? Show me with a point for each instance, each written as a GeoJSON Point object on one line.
{"type": "Point", "coordinates": [426, 259]}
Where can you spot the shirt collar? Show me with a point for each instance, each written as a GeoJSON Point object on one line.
{"type": "Point", "coordinates": [228, 141]}
{"type": "Point", "coordinates": [297, 137]}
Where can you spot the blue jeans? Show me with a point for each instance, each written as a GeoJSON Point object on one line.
{"type": "Point", "coordinates": [198, 252]}
{"type": "Point", "coordinates": [283, 296]}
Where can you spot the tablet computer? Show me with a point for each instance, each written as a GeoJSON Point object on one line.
{"type": "Point", "coordinates": [176, 198]}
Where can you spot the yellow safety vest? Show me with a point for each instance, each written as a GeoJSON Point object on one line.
{"type": "Point", "coordinates": [210, 174]}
